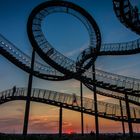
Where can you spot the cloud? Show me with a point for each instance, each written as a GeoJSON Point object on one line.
{"type": "Point", "coordinates": [20, 110]}
{"type": "Point", "coordinates": [125, 67]}
{"type": "Point", "coordinates": [37, 124]}
{"type": "Point", "coordinates": [11, 124]}
{"type": "Point", "coordinates": [43, 117]}
{"type": "Point", "coordinates": [66, 124]}
{"type": "Point", "coordinates": [10, 121]}
{"type": "Point", "coordinates": [76, 51]}
{"type": "Point", "coordinates": [49, 124]}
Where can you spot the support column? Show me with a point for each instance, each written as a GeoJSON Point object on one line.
{"type": "Point", "coordinates": [121, 110]}
{"type": "Point", "coordinates": [129, 116]}
{"type": "Point", "coordinates": [60, 121]}
{"type": "Point", "coordinates": [27, 108]}
{"type": "Point", "coordinates": [82, 118]}
{"type": "Point", "coordinates": [95, 102]}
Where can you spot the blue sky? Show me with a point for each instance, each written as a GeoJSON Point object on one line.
{"type": "Point", "coordinates": [14, 15]}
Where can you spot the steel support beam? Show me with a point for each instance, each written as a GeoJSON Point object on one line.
{"type": "Point", "coordinates": [82, 115]}
{"type": "Point", "coordinates": [60, 120]}
{"type": "Point", "coordinates": [129, 116]}
{"type": "Point", "coordinates": [27, 108]}
{"type": "Point", "coordinates": [123, 126]}
{"type": "Point", "coordinates": [95, 103]}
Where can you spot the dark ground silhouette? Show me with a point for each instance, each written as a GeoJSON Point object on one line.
{"type": "Point", "coordinates": [66, 137]}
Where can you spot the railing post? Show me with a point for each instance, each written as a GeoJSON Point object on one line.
{"type": "Point", "coordinates": [33, 93]}
{"type": "Point", "coordinates": [44, 94]}
{"type": "Point", "coordinates": [106, 109]}
{"type": "Point", "coordinates": [39, 93]}
{"type": "Point", "coordinates": [138, 86]}
{"type": "Point", "coordinates": [113, 110]}
{"type": "Point", "coordinates": [27, 109]}
{"type": "Point", "coordinates": [49, 95]}
{"type": "Point", "coordinates": [82, 118]}
{"type": "Point", "coordinates": [135, 116]}
{"type": "Point", "coordinates": [95, 102]}
{"type": "Point", "coordinates": [121, 110]}
{"type": "Point", "coordinates": [64, 99]}
{"type": "Point", "coordinates": [128, 116]}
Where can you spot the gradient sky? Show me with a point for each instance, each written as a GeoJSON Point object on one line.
{"type": "Point", "coordinates": [44, 118]}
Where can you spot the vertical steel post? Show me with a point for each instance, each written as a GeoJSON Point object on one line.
{"type": "Point", "coordinates": [121, 110]}
{"type": "Point", "coordinates": [27, 108]}
{"type": "Point", "coordinates": [129, 116]}
{"type": "Point", "coordinates": [82, 118]}
{"type": "Point", "coordinates": [60, 121]}
{"type": "Point", "coordinates": [95, 102]}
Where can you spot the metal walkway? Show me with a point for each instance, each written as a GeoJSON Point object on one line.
{"type": "Point", "coordinates": [104, 79]}
{"type": "Point", "coordinates": [105, 110]}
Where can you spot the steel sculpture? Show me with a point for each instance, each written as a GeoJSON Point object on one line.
{"type": "Point", "coordinates": [49, 54]}
{"type": "Point", "coordinates": [60, 68]}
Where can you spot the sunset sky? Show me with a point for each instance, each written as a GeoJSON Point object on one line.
{"type": "Point", "coordinates": [68, 36]}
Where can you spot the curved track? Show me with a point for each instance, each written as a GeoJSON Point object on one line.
{"type": "Point", "coordinates": [23, 61]}
{"type": "Point", "coordinates": [42, 46]}
{"type": "Point", "coordinates": [127, 14]}
{"type": "Point", "coordinates": [104, 79]}
{"type": "Point", "coordinates": [105, 110]}
{"type": "Point", "coordinates": [64, 64]}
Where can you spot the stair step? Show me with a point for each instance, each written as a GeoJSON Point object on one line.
{"type": "Point", "coordinates": [107, 84]}
{"type": "Point", "coordinates": [120, 88]}
{"type": "Point", "coordinates": [36, 73]}
{"type": "Point", "coordinates": [100, 82]}
{"type": "Point", "coordinates": [128, 89]}
{"type": "Point", "coordinates": [113, 86]}
{"type": "Point", "coordinates": [110, 114]}
{"type": "Point", "coordinates": [101, 113]}
{"type": "Point", "coordinates": [136, 91]}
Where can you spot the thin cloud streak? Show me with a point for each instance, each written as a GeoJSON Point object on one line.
{"type": "Point", "coordinates": [76, 51]}
{"type": "Point", "coordinates": [38, 124]}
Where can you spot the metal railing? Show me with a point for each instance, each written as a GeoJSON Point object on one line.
{"type": "Point", "coordinates": [104, 108]}
{"type": "Point", "coordinates": [130, 16]}
{"type": "Point", "coordinates": [25, 59]}
{"type": "Point", "coordinates": [105, 77]}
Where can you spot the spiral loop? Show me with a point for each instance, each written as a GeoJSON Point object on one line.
{"type": "Point", "coordinates": [46, 51]}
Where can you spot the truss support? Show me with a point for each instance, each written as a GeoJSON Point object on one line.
{"type": "Point", "coordinates": [95, 102]}
{"type": "Point", "coordinates": [82, 115]}
{"type": "Point", "coordinates": [128, 116]}
{"type": "Point", "coordinates": [27, 108]}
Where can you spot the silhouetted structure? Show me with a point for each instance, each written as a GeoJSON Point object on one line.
{"type": "Point", "coordinates": [127, 14]}
{"type": "Point", "coordinates": [50, 98]}
{"type": "Point", "coordinates": [62, 68]}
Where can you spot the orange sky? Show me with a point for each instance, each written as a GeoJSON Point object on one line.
{"type": "Point", "coordinates": [44, 119]}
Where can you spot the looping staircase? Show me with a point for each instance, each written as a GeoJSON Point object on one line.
{"type": "Point", "coordinates": [127, 14]}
